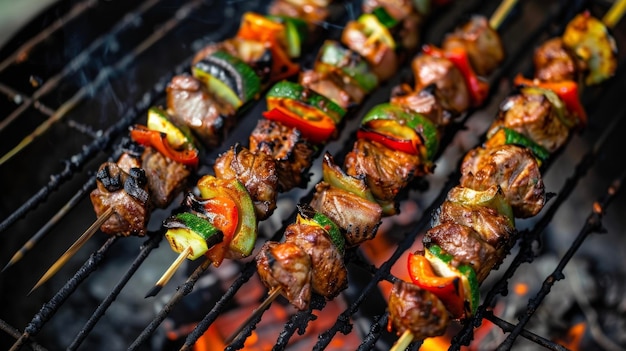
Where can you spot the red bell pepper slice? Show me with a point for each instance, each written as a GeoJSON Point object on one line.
{"type": "Point", "coordinates": [395, 144]}
{"type": "Point", "coordinates": [223, 214]}
{"type": "Point", "coordinates": [262, 29]}
{"type": "Point", "coordinates": [478, 87]}
{"type": "Point", "coordinates": [144, 136]}
{"type": "Point", "coordinates": [448, 289]}
{"type": "Point", "coordinates": [567, 91]}
{"type": "Point", "coordinates": [317, 130]}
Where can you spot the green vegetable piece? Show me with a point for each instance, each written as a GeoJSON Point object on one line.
{"type": "Point", "coordinates": [186, 229]}
{"type": "Point", "coordinates": [294, 91]}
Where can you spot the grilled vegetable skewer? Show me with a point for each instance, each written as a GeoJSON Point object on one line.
{"type": "Point", "coordinates": [311, 110]}
{"type": "Point", "coordinates": [474, 230]}
{"type": "Point", "coordinates": [222, 81]}
{"type": "Point", "coordinates": [397, 141]}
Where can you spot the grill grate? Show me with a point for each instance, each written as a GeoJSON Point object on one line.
{"type": "Point", "coordinates": [79, 81]}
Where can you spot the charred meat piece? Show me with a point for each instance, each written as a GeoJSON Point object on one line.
{"type": "Point", "coordinates": [534, 116]}
{"type": "Point", "coordinates": [358, 218]}
{"type": "Point", "coordinates": [465, 245]}
{"type": "Point", "coordinates": [554, 62]}
{"type": "Point", "coordinates": [334, 85]}
{"type": "Point", "coordinates": [511, 167]}
{"type": "Point", "coordinates": [189, 103]}
{"type": "Point", "coordinates": [127, 194]}
{"type": "Point", "coordinates": [386, 171]}
{"type": "Point", "coordinates": [493, 227]}
{"type": "Point", "coordinates": [292, 153]}
{"type": "Point", "coordinates": [256, 171]}
{"type": "Point", "coordinates": [166, 178]}
{"type": "Point", "coordinates": [449, 81]}
{"type": "Point", "coordinates": [482, 43]}
{"type": "Point", "coordinates": [423, 101]}
{"type": "Point", "coordinates": [419, 311]}
{"type": "Point", "coordinates": [329, 275]}
{"type": "Point", "coordinates": [286, 266]}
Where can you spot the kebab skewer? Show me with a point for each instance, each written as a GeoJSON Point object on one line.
{"type": "Point", "coordinates": [474, 228]}
{"type": "Point", "coordinates": [341, 77]}
{"type": "Point", "coordinates": [223, 80]}
{"type": "Point", "coordinates": [376, 170]}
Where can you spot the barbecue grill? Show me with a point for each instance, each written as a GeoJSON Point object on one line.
{"type": "Point", "coordinates": [78, 75]}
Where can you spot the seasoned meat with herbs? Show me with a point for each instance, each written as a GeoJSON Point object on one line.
{"type": "Point", "coordinates": [189, 103]}
{"type": "Point", "coordinates": [127, 194]}
{"type": "Point", "coordinates": [256, 171]}
{"type": "Point", "coordinates": [465, 245]}
{"type": "Point", "coordinates": [482, 43]}
{"type": "Point", "coordinates": [493, 227]}
{"type": "Point", "coordinates": [292, 153]}
{"type": "Point", "coordinates": [357, 217]}
{"type": "Point", "coordinates": [449, 81]}
{"type": "Point", "coordinates": [554, 62]}
{"type": "Point", "coordinates": [386, 171]}
{"type": "Point", "coordinates": [419, 311]}
{"type": "Point", "coordinates": [286, 266]}
{"type": "Point", "coordinates": [533, 115]}
{"type": "Point", "coordinates": [514, 169]}
{"type": "Point", "coordinates": [328, 273]}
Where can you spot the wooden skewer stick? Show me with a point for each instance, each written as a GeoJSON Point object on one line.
{"type": "Point", "coordinates": [403, 341]}
{"type": "Point", "coordinates": [615, 13]}
{"type": "Point", "coordinates": [75, 247]}
{"type": "Point", "coordinates": [501, 13]}
{"type": "Point", "coordinates": [273, 294]}
{"type": "Point", "coordinates": [169, 272]}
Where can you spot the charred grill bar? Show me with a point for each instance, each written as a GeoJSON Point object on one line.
{"type": "Point", "coordinates": [93, 149]}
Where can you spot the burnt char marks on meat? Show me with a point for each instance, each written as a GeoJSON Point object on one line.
{"type": "Point", "coordinates": [127, 194]}
{"type": "Point", "coordinates": [292, 153]}
{"type": "Point", "coordinates": [416, 310]}
{"type": "Point", "coordinates": [357, 217]}
{"type": "Point", "coordinates": [532, 114]}
{"type": "Point", "coordinates": [465, 245]}
{"type": "Point", "coordinates": [256, 171]}
{"type": "Point", "coordinates": [329, 275]}
{"type": "Point", "coordinates": [386, 171]}
{"type": "Point", "coordinates": [482, 43]}
{"type": "Point", "coordinates": [424, 102]}
{"type": "Point", "coordinates": [189, 103]}
{"type": "Point", "coordinates": [286, 266]}
{"type": "Point", "coordinates": [514, 169]}
{"type": "Point", "coordinates": [166, 178]}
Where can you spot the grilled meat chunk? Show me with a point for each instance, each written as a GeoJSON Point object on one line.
{"type": "Point", "coordinates": [189, 103]}
{"type": "Point", "coordinates": [288, 267]}
{"type": "Point", "coordinates": [312, 12]}
{"type": "Point", "coordinates": [452, 91]}
{"type": "Point", "coordinates": [127, 194]}
{"type": "Point", "coordinates": [256, 171]}
{"type": "Point", "coordinates": [482, 43]}
{"type": "Point", "coordinates": [329, 275]}
{"type": "Point", "coordinates": [386, 171]}
{"type": "Point", "coordinates": [419, 311]}
{"type": "Point", "coordinates": [358, 218]}
{"type": "Point", "coordinates": [166, 178]}
{"type": "Point", "coordinates": [335, 85]}
{"type": "Point", "coordinates": [383, 60]}
{"type": "Point", "coordinates": [493, 227]}
{"type": "Point", "coordinates": [534, 116]}
{"type": "Point", "coordinates": [511, 167]}
{"type": "Point", "coordinates": [554, 62]}
{"type": "Point", "coordinates": [292, 153]}
{"type": "Point", "coordinates": [465, 245]}
{"type": "Point", "coordinates": [423, 101]}
{"type": "Point", "coordinates": [406, 33]}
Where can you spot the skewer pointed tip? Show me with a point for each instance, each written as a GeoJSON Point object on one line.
{"type": "Point", "coordinates": [169, 272]}
{"type": "Point", "coordinates": [273, 294]}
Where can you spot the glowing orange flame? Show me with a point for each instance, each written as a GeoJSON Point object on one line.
{"type": "Point", "coordinates": [574, 336]}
